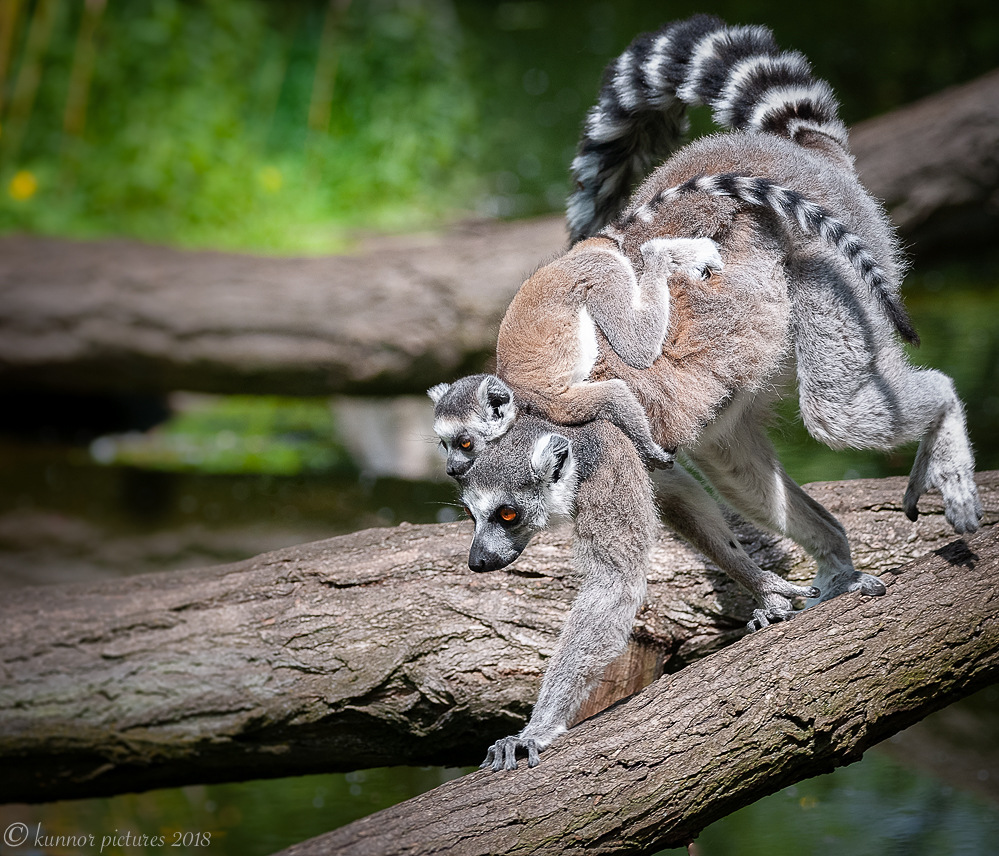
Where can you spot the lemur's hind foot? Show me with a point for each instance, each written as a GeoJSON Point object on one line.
{"type": "Point", "coordinates": [502, 755]}
{"type": "Point", "coordinates": [944, 461]}
{"type": "Point", "coordinates": [833, 583]}
{"type": "Point", "coordinates": [777, 607]}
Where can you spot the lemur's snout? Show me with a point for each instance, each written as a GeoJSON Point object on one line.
{"type": "Point", "coordinates": [481, 560]}
{"type": "Point", "coordinates": [456, 469]}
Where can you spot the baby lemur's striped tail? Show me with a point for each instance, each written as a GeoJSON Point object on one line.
{"type": "Point", "coordinates": [640, 117]}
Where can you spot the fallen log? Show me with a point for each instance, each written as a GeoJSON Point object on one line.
{"type": "Point", "coordinates": [786, 704]}
{"type": "Point", "coordinates": [401, 314]}
{"type": "Point", "coordinates": [370, 649]}
{"type": "Point", "coordinates": [116, 316]}
{"type": "Point", "coordinates": [935, 166]}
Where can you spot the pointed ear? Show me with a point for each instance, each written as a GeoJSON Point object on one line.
{"type": "Point", "coordinates": [552, 458]}
{"type": "Point", "coordinates": [497, 406]}
{"type": "Point", "coordinates": [436, 393]}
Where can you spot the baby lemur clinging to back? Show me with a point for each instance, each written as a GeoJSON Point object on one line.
{"type": "Point", "coordinates": [548, 344]}
{"type": "Point", "coordinates": [808, 289]}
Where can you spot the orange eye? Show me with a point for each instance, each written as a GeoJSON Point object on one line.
{"type": "Point", "coordinates": [465, 444]}
{"type": "Point", "coordinates": [508, 515]}
{"type": "Point", "coordinates": [468, 512]}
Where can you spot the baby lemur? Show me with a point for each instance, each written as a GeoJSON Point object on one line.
{"type": "Point", "coordinates": [808, 291]}
{"type": "Point", "coordinates": [548, 343]}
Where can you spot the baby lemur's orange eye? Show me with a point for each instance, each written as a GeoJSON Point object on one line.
{"type": "Point", "coordinates": [465, 444]}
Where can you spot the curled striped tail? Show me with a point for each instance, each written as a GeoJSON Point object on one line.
{"type": "Point", "coordinates": [797, 209]}
{"type": "Point", "coordinates": [640, 117]}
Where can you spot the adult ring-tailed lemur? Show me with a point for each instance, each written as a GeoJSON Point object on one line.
{"type": "Point", "coordinates": [744, 260]}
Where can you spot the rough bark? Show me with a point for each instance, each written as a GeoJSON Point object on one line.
{"type": "Point", "coordinates": [780, 706]}
{"type": "Point", "coordinates": [404, 313]}
{"type": "Point", "coordinates": [365, 650]}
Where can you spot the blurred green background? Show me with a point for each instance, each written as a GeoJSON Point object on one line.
{"type": "Point", "coordinates": [298, 127]}
{"type": "Point", "coordinates": [290, 126]}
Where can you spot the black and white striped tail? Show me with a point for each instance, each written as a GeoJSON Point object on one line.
{"type": "Point", "coordinates": [640, 117]}
{"type": "Point", "coordinates": [792, 207]}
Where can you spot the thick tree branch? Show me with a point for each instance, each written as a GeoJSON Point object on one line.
{"type": "Point", "coordinates": [782, 705]}
{"type": "Point", "coordinates": [366, 650]}
{"type": "Point", "coordinates": [401, 314]}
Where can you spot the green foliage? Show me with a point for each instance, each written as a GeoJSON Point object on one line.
{"type": "Point", "coordinates": [197, 125]}
{"type": "Point", "coordinates": [197, 131]}
{"type": "Point", "coordinates": [235, 434]}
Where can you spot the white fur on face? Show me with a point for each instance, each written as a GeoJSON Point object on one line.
{"type": "Point", "coordinates": [481, 501]}
{"type": "Point", "coordinates": [447, 429]}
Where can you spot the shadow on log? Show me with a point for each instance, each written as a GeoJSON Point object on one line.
{"type": "Point", "coordinates": [379, 648]}
{"type": "Point", "coordinates": [403, 313]}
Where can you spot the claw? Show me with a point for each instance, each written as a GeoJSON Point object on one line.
{"type": "Point", "coordinates": [765, 617]}
{"type": "Point", "coordinates": [502, 755]}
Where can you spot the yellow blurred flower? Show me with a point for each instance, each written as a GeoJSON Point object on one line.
{"type": "Point", "coordinates": [270, 178]}
{"type": "Point", "coordinates": [23, 185]}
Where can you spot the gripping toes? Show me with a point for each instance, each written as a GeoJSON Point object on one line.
{"type": "Point", "coordinates": [502, 755]}
{"type": "Point", "coordinates": [777, 605]}
{"type": "Point", "coordinates": [769, 615]}
{"type": "Point", "coordinates": [868, 585]}
{"type": "Point", "coordinates": [660, 459]}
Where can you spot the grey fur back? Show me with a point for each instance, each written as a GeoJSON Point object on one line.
{"type": "Point", "coordinates": [639, 120]}
{"type": "Point", "coordinates": [792, 207]}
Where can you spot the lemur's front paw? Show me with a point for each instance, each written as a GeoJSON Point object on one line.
{"type": "Point", "coordinates": [502, 755]}
{"type": "Point", "coordinates": [770, 615]}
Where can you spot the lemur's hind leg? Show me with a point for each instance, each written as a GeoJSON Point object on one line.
{"type": "Point", "coordinates": [945, 461]}
{"type": "Point", "coordinates": [858, 390]}
{"type": "Point", "coordinates": [614, 401]}
{"type": "Point", "coordinates": [688, 510]}
{"type": "Point", "coordinates": [738, 459]}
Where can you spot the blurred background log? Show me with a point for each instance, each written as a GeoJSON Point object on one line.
{"type": "Point", "coordinates": [401, 313]}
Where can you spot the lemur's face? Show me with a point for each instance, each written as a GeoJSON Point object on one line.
{"type": "Point", "coordinates": [518, 485]}
{"type": "Point", "coordinates": [468, 415]}
{"type": "Point", "coordinates": [462, 442]}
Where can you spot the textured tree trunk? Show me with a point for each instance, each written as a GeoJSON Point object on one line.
{"type": "Point", "coordinates": [780, 706]}
{"type": "Point", "coordinates": [401, 314]}
{"type": "Point", "coordinates": [382, 648]}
